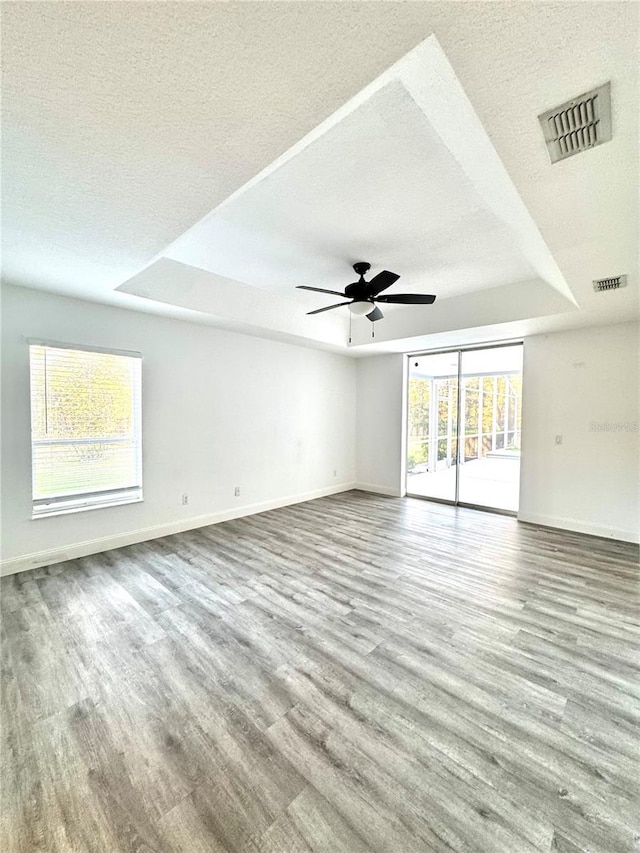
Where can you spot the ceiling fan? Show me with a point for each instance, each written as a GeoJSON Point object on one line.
{"type": "Point", "coordinates": [364, 294]}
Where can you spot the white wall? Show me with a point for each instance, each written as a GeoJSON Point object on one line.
{"type": "Point", "coordinates": [219, 410]}
{"type": "Point", "coordinates": [573, 382]}
{"type": "Point", "coordinates": [380, 424]}
{"type": "Point", "coordinates": [222, 409]}
{"type": "Point", "coordinates": [590, 483]}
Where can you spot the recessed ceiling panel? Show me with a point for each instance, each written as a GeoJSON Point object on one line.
{"type": "Point", "coordinates": [402, 176]}
{"type": "Point", "coordinates": [379, 185]}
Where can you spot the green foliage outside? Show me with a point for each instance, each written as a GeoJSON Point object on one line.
{"type": "Point", "coordinates": [418, 443]}
{"type": "Point", "coordinates": [504, 391]}
{"type": "Point", "coordinates": [81, 395]}
{"type": "Point", "coordinates": [417, 453]}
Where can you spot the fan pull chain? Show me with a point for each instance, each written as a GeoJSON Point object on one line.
{"type": "Point", "coordinates": [349, 326]}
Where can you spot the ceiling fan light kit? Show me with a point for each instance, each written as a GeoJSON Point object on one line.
{"type": "Point", "coordinates": [360, 308]}
{"type": "Point", "coordinates": [364, 294]}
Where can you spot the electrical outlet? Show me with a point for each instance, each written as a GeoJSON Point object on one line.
{"type": "Point", "coordinates": [237, 491]}
{"type": "Point", "coordinates": [185, 500]}
{"type": "Point", "coordinates": [558, 439]}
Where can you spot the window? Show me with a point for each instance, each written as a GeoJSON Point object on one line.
{"type": "Point", "coordinates": [86, 449]}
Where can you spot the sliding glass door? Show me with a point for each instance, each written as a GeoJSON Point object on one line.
{"type": "Point", "coordinates": [432, 443]}
{"type": "Point", "coordinates": [491, 399]}
{"type": "Point", "coordinates": [464, 420]}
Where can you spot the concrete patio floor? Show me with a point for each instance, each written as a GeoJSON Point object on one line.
{"type": "Point", "coordinates": [492, 482]}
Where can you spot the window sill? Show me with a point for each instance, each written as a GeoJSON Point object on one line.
{"type": "Point", "coordinates": [69, 510]}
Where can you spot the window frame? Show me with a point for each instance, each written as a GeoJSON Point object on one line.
{"type": "Point", "coordinates": [81, 502]}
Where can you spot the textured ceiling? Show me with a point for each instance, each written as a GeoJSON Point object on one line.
{"type": "Point", "coordinates": [124, 124]}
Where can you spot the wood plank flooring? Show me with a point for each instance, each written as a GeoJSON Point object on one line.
{"type": "Point", "coordinates": [348, 675]}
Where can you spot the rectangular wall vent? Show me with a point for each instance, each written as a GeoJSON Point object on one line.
{"type": "Point", "coordinates": [610, 283]}
{"type": "Point", "coordinates": [579, 124]}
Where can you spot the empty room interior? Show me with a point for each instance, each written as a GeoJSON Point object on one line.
{"type": "Point", "coordinates": [320, 427]}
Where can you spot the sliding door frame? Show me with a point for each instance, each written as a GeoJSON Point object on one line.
{"type": "Point", "coordinates": [459, 351]}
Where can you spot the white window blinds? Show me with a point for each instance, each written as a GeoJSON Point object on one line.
{"type": "Point", "coordinates": [85, 428]}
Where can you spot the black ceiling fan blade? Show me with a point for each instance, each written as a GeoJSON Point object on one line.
{"type": "Point", "coordinates": [408, 299]}
{"type": "Point", "coordinates": [380, 282]}
{"type": "Point", "coordinates": [328, 308]}
{"type": "Point", "coordinates": [320, 290]}
{"type": "Point", "coordinates": [376, 314]}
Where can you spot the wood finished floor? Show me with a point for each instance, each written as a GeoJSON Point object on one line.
{"type": "Point", "coordinates": [351, 674]}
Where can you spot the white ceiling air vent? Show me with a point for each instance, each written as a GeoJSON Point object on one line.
{"type": "Point", "coordinates": [612, 283]}
{"type": "Point", "coordinates": [579, 124]}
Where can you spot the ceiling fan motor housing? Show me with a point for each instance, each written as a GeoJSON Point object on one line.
{"type": "Point", "coordinates": [357, 291]}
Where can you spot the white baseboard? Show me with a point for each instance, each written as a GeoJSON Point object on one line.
{"type": "Point", "coordinates": [120, 540]}
{"type": "Point", "coordinates": [578, 526]}
{"type": "Point", "coordinates": [106, 543]}
{"type": "Point", "coordinates": [378, 490]}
